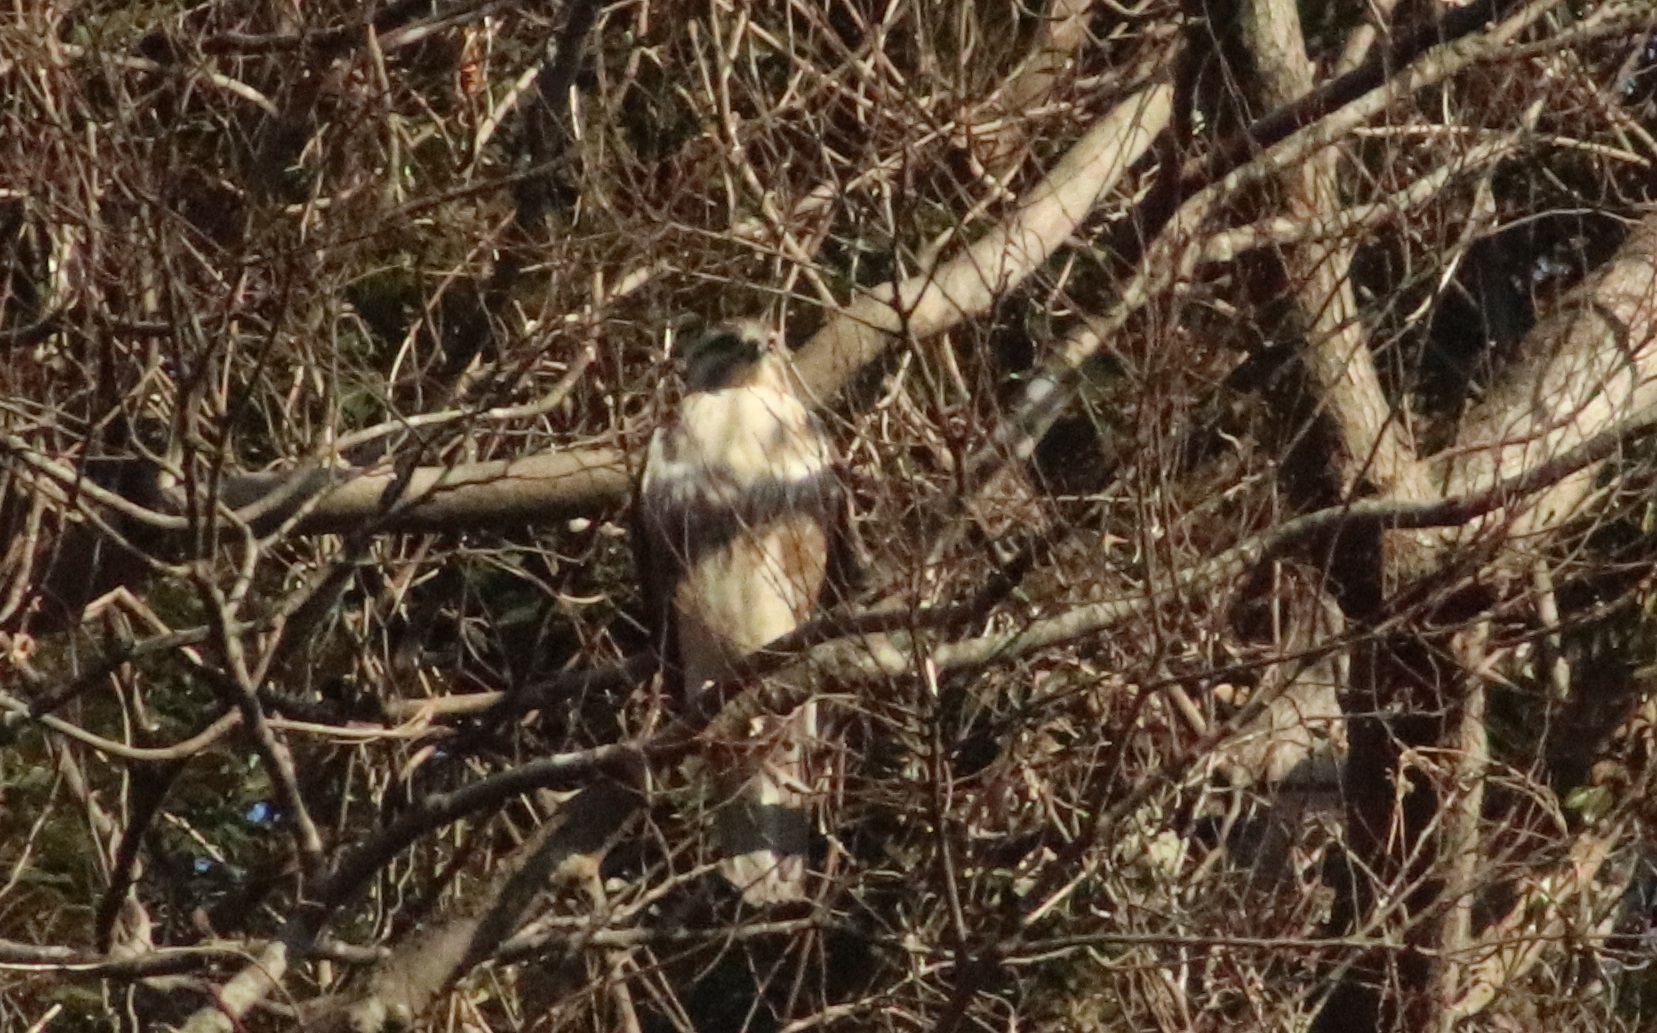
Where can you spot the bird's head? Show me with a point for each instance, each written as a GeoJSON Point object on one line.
{"type": "Point", "coordinates": [728, 355]}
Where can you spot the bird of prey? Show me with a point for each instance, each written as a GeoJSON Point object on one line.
{"type": "Point", "coordinates": [742, 518]}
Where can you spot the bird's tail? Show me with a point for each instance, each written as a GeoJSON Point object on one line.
{"type": "Point", "coordinates": [764, 825]}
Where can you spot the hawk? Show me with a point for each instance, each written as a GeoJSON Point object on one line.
{"type": "Point", "coordinates": [743, 517]}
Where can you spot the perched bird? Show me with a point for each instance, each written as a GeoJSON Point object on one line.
{"type": "Point", "coordinates": [742, 519]}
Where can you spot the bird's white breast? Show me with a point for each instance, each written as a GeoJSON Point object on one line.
{"type": "Point", "coordinates": [728, 463]}
{"type": "Point", "coordinates": [733, 439]}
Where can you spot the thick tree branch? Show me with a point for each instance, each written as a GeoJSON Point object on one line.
{"type": "Point", "coordinates": [1375, 443]}
{"type": "Point", "coordinates": [967, 285]}
{"type": "Point", "coordinates": [1582, 371]}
